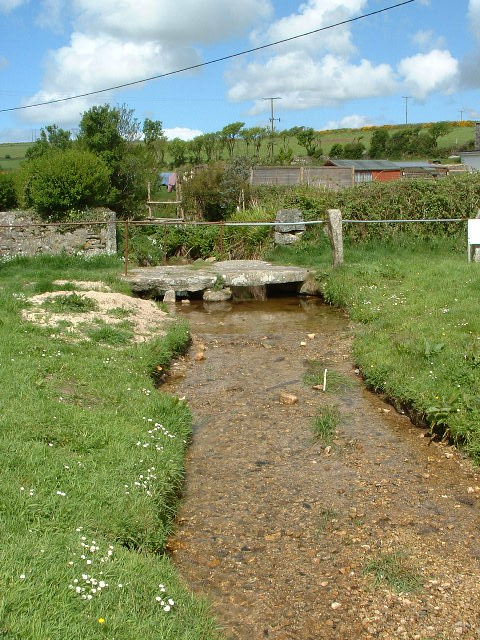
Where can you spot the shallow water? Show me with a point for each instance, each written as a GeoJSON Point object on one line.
{"type": "Point", "coordinates": [276, 528]}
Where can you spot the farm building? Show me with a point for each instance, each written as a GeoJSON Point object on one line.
{"type": "Point", "coordinates": [386, 170]}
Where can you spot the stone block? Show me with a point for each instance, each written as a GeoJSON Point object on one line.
{"type": "Point", "coordinates": [295, 216]}
{"type": "Point", "coordinates": [217, 295]}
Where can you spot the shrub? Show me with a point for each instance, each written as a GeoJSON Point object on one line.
{"type": "Point", "coordinates": [60, 181]}
{"type": "Point", "coordinates": [8, 197]}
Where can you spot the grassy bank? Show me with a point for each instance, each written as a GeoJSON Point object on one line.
{"type": "Point", "coordinates": [419, 335]}
{"type": "Point", "coordinates": [90, 483]}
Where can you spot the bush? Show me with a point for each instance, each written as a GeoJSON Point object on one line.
{"type": "Point", "coordinates": [60, 181]}
{"type": "Point", "coordinates": [213, 193]}
{"type": "Point", "coordinates": [452, 197]}
{"type": "Point", "coordinates": [8, 197]}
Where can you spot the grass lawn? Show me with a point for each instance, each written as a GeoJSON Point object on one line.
{"type": "Point", "coordinates": [92, 460]}
{"type": "Point", "coordinates": [418, 338]}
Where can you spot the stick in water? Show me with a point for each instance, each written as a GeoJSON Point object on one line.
{"type": "Point", "coordinates": [325, 380]}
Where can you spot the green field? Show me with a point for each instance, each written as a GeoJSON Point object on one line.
{"type": "Point", "coordinates": [90, 480]}
{"type": "Point", "coordinates": [12, 154]}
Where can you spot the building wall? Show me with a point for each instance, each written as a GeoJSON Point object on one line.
{"type": "Point", "coordinates": [387, 176]}
{"type": "Point", "coordinates": [18, 238]}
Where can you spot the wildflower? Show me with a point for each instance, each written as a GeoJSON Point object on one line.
{"type": "Point", "coordinates": [101, 620]}
{"type": "Point", "coordinates": [22, 576]}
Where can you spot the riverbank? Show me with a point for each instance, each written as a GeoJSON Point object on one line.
{"type": "Point", "coordinates": [92, 459]}
{"type": "Point", "coordinates": [418, 340]}
{"type": "Point", "coordinates": [364, 530]}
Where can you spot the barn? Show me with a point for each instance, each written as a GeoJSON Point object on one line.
{"type": "Point", "coordinates": [370, 170]}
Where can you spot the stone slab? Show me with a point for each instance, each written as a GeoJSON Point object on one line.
{"type": "Point", "coordinates": [231, 273]}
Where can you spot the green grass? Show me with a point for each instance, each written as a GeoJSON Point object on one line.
{"type": "Point", "coordinates": [75, 419]}
{"type": "Point", "coordinates": [418, 339]}
{"type": "Point", "coordinates": [120, 312]}
{"type": "Point", "coordinates": [325, 424]}
{"type": "Point", "coordinates": [335, 381]}
{"type": "Point", "coordinates": [72, 303]}
{"type": "Point", "coordinates": [110, 334]}
{"type": "Point", "coordinates": [393, 570]}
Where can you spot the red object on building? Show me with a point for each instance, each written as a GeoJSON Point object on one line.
{"type": "Point", "coordinates": [387, 176]}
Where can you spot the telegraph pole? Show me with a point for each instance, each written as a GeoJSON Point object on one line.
{"type": "Point", "coordinates": [406, 98]}
{"type": "Point", "coordinates": [272, 120]}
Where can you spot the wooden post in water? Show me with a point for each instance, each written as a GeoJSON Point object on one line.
{"type": "Point", "coordinates": [335, 232]}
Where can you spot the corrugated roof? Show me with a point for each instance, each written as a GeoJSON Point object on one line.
{"type": "Point", "coordinates": [367, 165]}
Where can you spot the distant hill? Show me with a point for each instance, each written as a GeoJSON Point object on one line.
{"type": "Point", "coordinates": [461, 135]}
{"type": "Point", "coordinates": [12, 154]}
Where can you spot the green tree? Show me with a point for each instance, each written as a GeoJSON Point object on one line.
{"type": "Point", "coordinates": [336, 151]}
{"type": "Point", "coordinates": [354, 150]}
{"type": "Point", "coordinates": [177, 149]}
{"type": "Point", "coordinates": [439, 129]}
{"type": "Point", "coordinates": [210, 143]}
{"type": "Point", "coordinates": [195, 148]}
{"type": "Point", "coordinates": [155, 141]}
{"type": "Point", "coordinates": [51, 138]}
{"type": "Point", "coordinates": [379, 143]}
{"type": "Point", "coordinates": [230, 134]}
{"type": "Point", "coordinates": [114, 133]}
{"type": "Point", "coordinates": [310, 140]}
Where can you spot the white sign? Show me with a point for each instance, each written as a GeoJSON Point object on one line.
{"type": "Point", "coordinates": [473, 237]}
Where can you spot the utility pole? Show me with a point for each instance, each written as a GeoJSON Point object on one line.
{"type": "Point", "coordinates": [406, 98]}
{"type": "Point", "coordinates": [272, 121]}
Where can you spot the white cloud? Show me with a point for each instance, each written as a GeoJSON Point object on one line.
{"type": "Point", "coordinates": [94, 62]}
{"type": "Point", "coordinates": [316, 71]}
{"type": "Point", "coordinates": [184, 133]}
{"type": "Point", "coordinates": [10, 5]}
{"type": "Point", "coordinates": [304, 82]}
{"type": "Point", "coordinates": [474, 16]}
{"type": "Point", "coordinates": [315, 14]}
{"type": "Point", "coordinates": [50, 16]}
{"type": "Point", "coordinates": [119, 41]}
{"type": "Point", "coordinates": [427, 39]}
{"type": "Point", "coordinates": [354, 121]}
{"type": "Point", "coordinates": [173, 21]}
{"type": "Point", "coordinates": [430, 72]}
{"type": "Point", "coordinates": [4, 62]}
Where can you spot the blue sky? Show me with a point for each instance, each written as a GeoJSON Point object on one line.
{"type": "Point", "coordinates": [348, 76]}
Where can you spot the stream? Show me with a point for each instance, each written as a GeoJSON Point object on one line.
{"type": "Point", "coordinates": [374, 536]}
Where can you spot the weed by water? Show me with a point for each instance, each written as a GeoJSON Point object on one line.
{"type": "Point", "coordinates": [393, 569]}
{"type": "Point", "coordinates": [71, 303]}
{"type": "Point", "coordinates": [335, 381]}
{"type": "Point", "coordinates": [325, 424]}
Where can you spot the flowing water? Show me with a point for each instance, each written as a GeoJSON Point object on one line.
{"type": "Point", "coordinates": [374, 536]}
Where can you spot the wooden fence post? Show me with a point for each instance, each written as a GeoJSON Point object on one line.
{"type": "Point", "coordinates": [335, 232]}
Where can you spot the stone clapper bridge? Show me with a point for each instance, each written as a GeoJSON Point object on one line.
{"type": "Point", "coordinates": [219, 281]}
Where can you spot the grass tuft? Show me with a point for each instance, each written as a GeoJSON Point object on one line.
{"type": "Point", "coordinates": [325, 424]}
{"type": "Point", "coordinates": [393, 570]}
{"type": "Point", "coordinates": [71, 303]}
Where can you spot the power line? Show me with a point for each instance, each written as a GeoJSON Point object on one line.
{"type": "Point", "coordinates": [209, 62]}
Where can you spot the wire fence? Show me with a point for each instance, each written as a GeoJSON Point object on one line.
{"type": "Point", "coordinates": [128, 224]}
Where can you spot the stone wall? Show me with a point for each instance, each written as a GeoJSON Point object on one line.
{"type": "Point", "coordinates": [17, 238]}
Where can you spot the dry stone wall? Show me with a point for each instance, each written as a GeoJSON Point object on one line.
{"type": "Point", "coordinates": [18, 236]}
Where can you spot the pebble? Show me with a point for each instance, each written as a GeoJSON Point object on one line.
{"type": "Point", "coordinates": [335, 605]}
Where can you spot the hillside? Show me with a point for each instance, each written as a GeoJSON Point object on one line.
{"type": "Point", "coordinates": [462, 133]}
